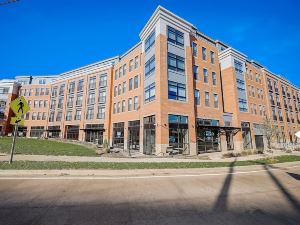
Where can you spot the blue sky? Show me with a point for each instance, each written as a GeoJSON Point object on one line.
{"type": "Point", "coordinates": [51, 37]}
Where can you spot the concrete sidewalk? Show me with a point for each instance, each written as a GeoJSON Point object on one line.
{"type": "Point", "coordinates": [211, 157]}
{"type": "Point", "coordinates": [139, 173]}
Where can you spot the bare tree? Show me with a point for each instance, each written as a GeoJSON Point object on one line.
{"type": "Point", "coordinates": [270, 130]}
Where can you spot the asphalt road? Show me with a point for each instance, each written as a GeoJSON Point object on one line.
{"type": "Point", "coordinates": [248, 195]}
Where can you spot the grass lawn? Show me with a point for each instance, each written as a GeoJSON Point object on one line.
{"type": "Point", "coordinates": [30, 146]}
{"type": "Point", "coordinates": [30, 165]}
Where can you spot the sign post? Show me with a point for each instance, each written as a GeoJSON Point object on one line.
{"type": "Point", "coordinates": [19, 106]}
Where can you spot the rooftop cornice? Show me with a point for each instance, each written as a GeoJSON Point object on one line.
{"type": "Point", "coordinates": [232, 52]}
{"type": "Point", "coordinates": [161, 12]}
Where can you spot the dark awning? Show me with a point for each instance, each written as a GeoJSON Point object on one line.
{"type": "Point", "coordinates": [223, 129]}
{"type": "Point", "coordinates": [93, 129]}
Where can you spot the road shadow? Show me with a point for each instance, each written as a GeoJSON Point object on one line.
{"type": "Point", "coordinates": [292, 200]}
{"type": "Point", "coordinates": [294, 175]}
{"type": "Point", "coordinates": [222, 199]}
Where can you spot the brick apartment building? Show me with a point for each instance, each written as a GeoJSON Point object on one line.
{"type": "Point", "coordinates": [177, 91]}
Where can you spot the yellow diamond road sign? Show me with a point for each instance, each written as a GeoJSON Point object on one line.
{"type": "Point", "coordinates": [17, 121]}
{"type": "Point", "coordinates": [19, 106]}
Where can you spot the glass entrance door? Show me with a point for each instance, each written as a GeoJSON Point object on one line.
{"type": "Point", "coordinates": [149, 135]}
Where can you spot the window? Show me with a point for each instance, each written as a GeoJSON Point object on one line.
{"type": "Point", "coordinates": [80, 85]}
{"type": "Point", "coordinates": [150, 66]}
{"type": "Point", "coordinates": [212, 57]}
{"type": "Point", "coordinates": [70, 101]}
{"type": "Point", "coordinates": [42, 91]}
{"type": "Point", "coordinates": [77, 114]}
{"type": "Point", "coordinates": [102, 96]}
{"type": "Point", "coordinates": [41, 103]}
{"type": "Point", "coordinates": [216, 101]}
{"type": "Point", "coordinates": [51, 116]}
{"type": "Point", "coordinates": [91, 98]}
{"type": "Point", "coordinates": [60, 103]}
{"type": "Point", "coordinates": [205, 77]}
{"type": "Point", "coordinates": [118, 107]}
{"type": "Point", "coordinates": [115, 108]}
{"type": "Point", "coordinates": [120, 72]}
{"type": "Point", "coordinates": [79, 100]}
{"type": "Point", "coordinates": [130, 84]}
{"type": "Point", "coordinates": [29, 102]}
{"type": "Point", "coordinates": [176, 91]}
{"type": "Point", "coordinates": [136, 62]}
{"type": "Point", "coordinates": [197, 97]}
{"type": "Point", "coordinates": [124, 87]}
{"type": "Point", "coordinates": [124, 69]}
{"type": "Point", "coordinates": [39, 115]}
{"type": "Point", "coordinates": [103, 80]}
{"type": "Point", "coordinates": [239, 67]}
{"type": "Point", "coordinates": [4, 90]}
{"type": "Point", "coordinates": [53, 104]}
{"type": "Point", "coordinates": [72, 87]}
{"type": "Point", "coordinates": [123, 105]}
{"type": "Point", "coordinates": [136, 103]}
{"type": "Point", "coordinates": [44, 116]}
{"type": "Point", "coordinates": [42, 81]}
{"type": "Point", "coordinates": [59, 115]}
{"type": "Point", "coordinates": [176, 37]}
{"type": "Point", "coordinates": [203, 53]}
{"type": "Point", "coordinates": [92, 83]}
{"type": "Point", "coordinates": [62, 89]}
{"type": "Point", "coordinates": [68, 116]}
{"type": "Point", "coordinates": [36, 103]}
{"type": "Point", "coordinates": [206, 98]}
{"type": "Point", "coordinates": [54, 92]}
{"type": "Point", "coordinates": [195, 71]}
{"type": "Point", "coordinates": [129, 104]}
{"type": "Point", "coordinates": [46, 92]}
{"type": "Point", "coordinates": [119, 89]}
{"type": "Point", "coordinates": [150, 93]}
{"type": "Point", "coordinates": [37, 92]}
{"type": "Point", "coordinates": [33, 116]}
{"type": "Point", "coordinates": [240, 85]}
{"type": "Point", "coordinates": [149, 42]}
{"type": "Point", "coordinates": [194, 48]}
{"type": "Point", "coordinates": [214, 78]}
{"type": "Point", "coordinates": [176, 62]}
{"type": "Point", "coordinates": [243, 105]}
{"type": "Point", "coordinates": [90, 114]}
{"type": "Point", "coordinates": [101, 112]}
{"type": "Point", "coordinates": [115, 91]}
{"type": "Point", "coordinates": [116, 74]}
{"type": "Point", "coordinates": [136, 81]}
{"type": "Point", "coordinates": [130, 65]}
